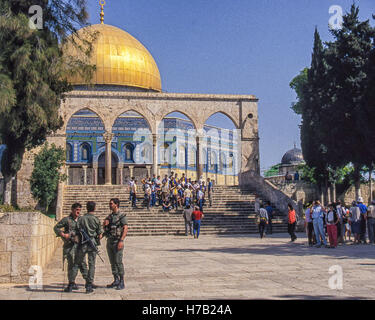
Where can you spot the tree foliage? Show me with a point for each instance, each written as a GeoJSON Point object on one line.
{"type": "Point", "coordinates": [46, 174]}
{"type": "Point", "coordinates": [337, 101]}
{"type": "Point", "coordinates": [33, 73]}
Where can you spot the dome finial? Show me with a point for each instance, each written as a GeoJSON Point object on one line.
{"type": "Point", "coordinates": [102, 4]}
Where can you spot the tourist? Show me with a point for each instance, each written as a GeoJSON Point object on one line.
{"type": "Point", "coordinates": [200, 199]}
{"type": "Point", "coordinates": [133, 192]}
{"type": "Point", "coordinates": [269, 210]}
{"type": "Point", "coordinates": [355, 216]}
{"type": "Point", "coordinates": [309, 227]}
{"type": "Point", "coordinates": [340, 225]}
{"type": "Point", "coordinates": [347, 224]}
{"type": "Point", "coordinates": [371, 222]}
{"type": "Point", "coordinates": [180, 195]}
{"type": "Point", "coordinates": [174, 192]}
{"type": "Point", "coordinates": [187, 214]}
{"type": "Point", "coordinates": [318, 223]}
{"type": "Point", "coordinates": [262, 220]}
{"type": "Point", "coordinates": [363, 210]}
{"type": "Point", "coordinates": [148, 196]}
{"type": "Point", "coordinates": [292, 221]}
{"type": "Point", "coordinates": [165, 190]}
{"type": "Point", "coordinates": [197, 217]}
{"type": "Point", "coordinates": [131, 182]}
{"type": "Point", "coordinates": [166, 205]}
{"type": "Point", "coordinates": [187, 197]}
{"type": "Point", "coordinates": [153, 194]}
{"type": "Point", "coordinates": [332, 221]}
{"type": "Point", "coordinates": [210, 189]}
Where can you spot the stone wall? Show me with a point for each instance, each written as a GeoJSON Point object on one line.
{"type": "Point", "coordinates": [349, 195]}
{"type": "Point", "coordinates": [297, 190]}
{"type": "Point", "coordinates": [26, 239]}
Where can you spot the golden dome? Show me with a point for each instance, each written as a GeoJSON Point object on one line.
{"type": "Point", "coordinates": [120, 59]}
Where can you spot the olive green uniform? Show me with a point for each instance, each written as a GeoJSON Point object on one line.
{"type": "Point", "coordinates": [70, 247]}
{"type": "Point", "coordinates": [114, 230]}
{"type": "Point", "coordinates": [93, 228]}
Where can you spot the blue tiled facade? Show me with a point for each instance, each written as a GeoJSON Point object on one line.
{"type": "Point", "coordinates": [132, 143]}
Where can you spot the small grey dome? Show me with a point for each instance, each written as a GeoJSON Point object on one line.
{"type": "Point", "coordinates": [293, 156]}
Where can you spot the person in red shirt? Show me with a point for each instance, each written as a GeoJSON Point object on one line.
{"type": "Point", "coordinates": [197, 217]}
{"type": "Point", "coordinates": [291, 222]}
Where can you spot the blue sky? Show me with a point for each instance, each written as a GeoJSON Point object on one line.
{"type": "Point", "coordinates": [233, 47]}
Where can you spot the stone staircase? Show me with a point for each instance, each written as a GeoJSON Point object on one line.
{"type": "Point", "coordinates": [232, 211]}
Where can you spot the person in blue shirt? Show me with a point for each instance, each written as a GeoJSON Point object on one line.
{"type": "Point", "coordinates": [210, 189]}
{"type": "Point", "coordinates": [363, 210]}
{"type": "Point", "coordinates": [269, 210]}
{"type": "Point", "coordinates": [318, 223]}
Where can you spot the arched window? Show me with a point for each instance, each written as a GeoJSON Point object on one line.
{"type": "Point", "coordinates": [182, 155]}
{"type": "Point", "coordinates": [69, 152]}
{"type": "Point", "coordinates": [85, 152]}
{"type": "Point", "coordinates": [212, 161]}
{"type": "Point", "coordinates": [192, 156]}
{"type": "Point", "coordinates": [146, 154]}
{"type": "Point", "coordinates": [129, 150]}
{"type": "Point", "coordinates": [164, 153]}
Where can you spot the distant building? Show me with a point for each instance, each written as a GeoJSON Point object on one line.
{"type": "Point", "coordinates": [290, 161]}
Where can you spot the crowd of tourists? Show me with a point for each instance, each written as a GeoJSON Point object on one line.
{"type": "Point", "coordinates": [354, 224]}
{"type": "Point", "coordinates": [174, 193]}
{"type": "Point", "coordinates": [328, 226]}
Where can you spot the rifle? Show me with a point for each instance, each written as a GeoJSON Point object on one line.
{"type": "Point", "coordinates": [86, 238]}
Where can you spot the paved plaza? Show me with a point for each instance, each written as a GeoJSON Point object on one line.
{"type": "Point", "coordinates": [219, 267]}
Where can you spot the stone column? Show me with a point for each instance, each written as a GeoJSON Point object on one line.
{"type": "Point", "coordinates": [120, 173]}
{"type": "Point", "coordinates": [198, 161]}
{"type": "Point", "coordinates": [95, 173]}
{"type": "Point", "coordinates": [84, 175]}
{"type": "Point", "coordinates": [108, 157]}
{"type": "Point", "coordinates": [67, 174]}
{"type": "Point", "coordinates": [155, 154]}
{"type": "Point", "coordinates": [148, 167]}
{"type": "Point", "coordinates": [131, 168]}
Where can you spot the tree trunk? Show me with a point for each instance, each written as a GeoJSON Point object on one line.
{"type": "Point", "coordinates": [7, 193]}
{"type": "Point", "coordinates": [334, 192]}
{"type": "Point", "coordinates": [370, 183]}
{"type": "Point", "coordinates": [321, 195]}
{"type": "Point", "coordinates": [357, 181]}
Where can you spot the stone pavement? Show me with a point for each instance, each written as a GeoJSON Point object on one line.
{"type": "Point", "coordinates": [219, 267]}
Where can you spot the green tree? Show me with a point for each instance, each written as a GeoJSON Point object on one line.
{"type": "Point", "coordinates": [46, 175]}
{"type": "Point", "coordinates": [273, 171]}
{"type": "Point", "coordinates": [33, 75]}
{"type": "Point", "coordinates": [298, 84]}
{"type": "Point", "coordinates": [350, 65]}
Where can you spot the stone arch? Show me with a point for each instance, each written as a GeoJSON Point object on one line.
{"type": "Point", "coordinates": [132, 109]}
{"type": "Point", "coordinates": [167, 112]}
{"type": "Point", "coordinates": [75, 110]}
{"type": "Point", "coordinates": [225, 113]}
{"type": "Point", "coordinates": [100, 151]}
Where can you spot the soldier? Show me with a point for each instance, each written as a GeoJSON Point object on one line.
{"type": "Point", "coordinates": [92, 227]}
{"type": "Point", "coordinates": [116, 228]}
{"type": "Point", "coordinates": [69, 235]}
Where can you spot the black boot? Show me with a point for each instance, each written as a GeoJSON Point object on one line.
{"type": "Point", "coordinates": [89, 288]}
{"type": "Point", "coordinates": [69, 288]}
{"type": "Point", "coordinates": [75, 287]}
{"type": "Point", "coordinates": [121, 285]}
{"type": "Point", "coordinates": [114, 283]}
